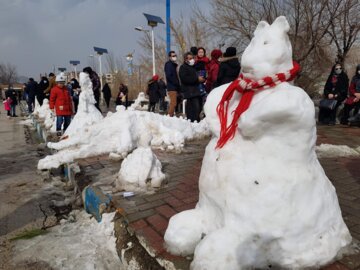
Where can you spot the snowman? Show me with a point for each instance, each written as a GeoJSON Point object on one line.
{"type": "Point", "coordinates": [87, 113]}
{"type": "Point", "coordinates": [264, 199]}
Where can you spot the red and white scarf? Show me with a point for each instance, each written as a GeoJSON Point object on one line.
{"type": "Point", "coordinates": [247, 88]}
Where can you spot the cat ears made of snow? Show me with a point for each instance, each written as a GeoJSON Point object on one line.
{"type": "Point", "coordinates": [280, 24]}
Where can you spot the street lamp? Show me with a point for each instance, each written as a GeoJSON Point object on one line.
{"type": "Point", "coordinates": [75, 63]}
{"type": "Point", "coordinates": [152, 22]}
{"type": "Point", "coordinates": [100, 52]}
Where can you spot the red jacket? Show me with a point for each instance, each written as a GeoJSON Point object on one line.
{"type": "Point", "coordinates": [212, 74]}
{"type": "Point", "coordinates": [352, 91]}
{"type": "Point", "coordinates": [60, 99]}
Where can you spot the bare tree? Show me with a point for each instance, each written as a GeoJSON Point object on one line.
{"type": "Point", "coordinates": [8, 73]}
{"type": "Point", "coordinates": [344, 28]}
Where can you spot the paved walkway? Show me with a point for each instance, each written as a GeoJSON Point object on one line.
{"type": "Point", "coordinates": [148, 214]}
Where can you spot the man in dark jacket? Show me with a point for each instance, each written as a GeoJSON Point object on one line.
{"type": "Point", "coordinates": [43, 85]}
{"type": "Point", "coordinates": [229, 67]}
{"type": "Point", "coordinates": [162, 91]}
{"type": "Point", "coordinates": [31, 91]}
{"type": "Point", "coordinates": [172, 80]}
{"type": "Point", "coordinates": [107, 94]}
{"type": "Point", "coordinates": [96, 85]}
{"type": "Point", "coordinates": [190, 87]}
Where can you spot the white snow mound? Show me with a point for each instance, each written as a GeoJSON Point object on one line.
{"type": "Point", "coordinates": [84, 244]}
{"type": "Point", "coordinates": [330, 150]}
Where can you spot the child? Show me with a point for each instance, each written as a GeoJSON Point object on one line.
{"type": "Point", "coordinates": [7, 102]}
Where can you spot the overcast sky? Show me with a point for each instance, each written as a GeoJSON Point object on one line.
{"type": "Point", "coordinates": [36, 35]}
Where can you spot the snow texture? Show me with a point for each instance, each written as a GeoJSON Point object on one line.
{"type": "Point", "coordinates": [84, 244]}
{"type": "Point", "coordinates": [131, 177]}
{"type": "Point", "coordinates": [87, 114]}
{"type": "Point", "coordinates": [137, 102]}
{"type": "Point", "coordinates": [44, 113]}
{"type": "Point", "coordinates": [329, 151]}
{"type": "Point", "coordinates": [264, 197]}
{"type": "Point", "coordinates": [119, 133]}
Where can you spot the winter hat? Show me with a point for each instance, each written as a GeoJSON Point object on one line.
{"type": "Point", "coordinates": [60, 77]}
{"type": "Point", "coordinates": [88, 70]}
{"type": "Point", "coordinates": [216, 54]}
{"type": "Point", "coordinates": [230, 51]}
{"type": "Point", "coordinates": [51, 74]}
{"type": "Point", "coordinates": [155, 77]}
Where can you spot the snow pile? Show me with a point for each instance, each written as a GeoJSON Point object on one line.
{"type": "Point", "coordinates": [36, 107]}
{"type": "Point", "coordinates": [87, 114]}
{"type": "Point", "coordinates": [137, 102]}
{"type": "Point", "coordinates": [131, 177]}
{"type": "Point", "coordinates": [27, 122]}
{"type": "Point", "coordinates": [264, 197]}
{"type": "Point", "coordinates": [84, 244]}
{"type": "Point", "coordinates": [47, 116]}
{"type": "Point", "coordinates": [329, 151]}
{"type": "Point", "coordinates": [119, 133]}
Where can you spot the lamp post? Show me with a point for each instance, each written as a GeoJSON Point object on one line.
{"type": "Point", "coordinates": [152, 22]}
{"type": "Point", "coordinates": [75, 63]}
{"type": "Point", "coordinates": [100, 52]}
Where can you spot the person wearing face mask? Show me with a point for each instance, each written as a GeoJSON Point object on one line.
{"type": "Point", "coordinates": [353, 100]}
{"type": "Point", "coordinates": [172, 81]}
{"type": "Point", "coordinates": [190, 87]}
{"type": "Point", "coordinates": [336, 87]}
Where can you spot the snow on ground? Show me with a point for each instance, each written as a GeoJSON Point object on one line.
{"type": "Point", "coordinates": [329, 151]}
{"type": "Point", "coordinates": [119, 133]}
{"type": "Point", "coordinates": [27, 122]}
{"type": "Point", "coordinates": [87, 114]}
{"type": "Point", "coordinates": [130, 177]}
{"type": "Point", "coordinates": [137, 102]}
{"type": "Point", "coordinates": [83, 244]}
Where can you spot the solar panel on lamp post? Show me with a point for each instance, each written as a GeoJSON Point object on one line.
{"type": "Point", "coordinates": [152, 22]}
{"type": "Point", "coordinates": [100, 52]}
{"type": "Point", "coordinates": [75, 63]}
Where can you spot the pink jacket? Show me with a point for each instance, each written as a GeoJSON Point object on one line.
{"type": "Point", "coordinates": [7, 103]}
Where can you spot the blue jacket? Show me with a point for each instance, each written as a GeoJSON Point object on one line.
{"type": "Point", "coordinates": [172, 78]}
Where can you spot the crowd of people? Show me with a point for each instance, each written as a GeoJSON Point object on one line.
{"type": "Point", "coordinates": [193, 80]}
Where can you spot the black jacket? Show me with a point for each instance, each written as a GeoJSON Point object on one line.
{"type": "Point", "coordinates": [11, 93]}
{"type": "Point", "coordinates": [162, 88]}
{"type": "Point", "coordinates": [228, 71]}
{"type": "Point", "coordinates": [31, 89]}
{"type": "Point", "coordinates": [340, 88]}
{"type": "Point", "coordinates": [43, 85]}
{"type": "Point", "coordinates": [189, 81]}
{"type": "Point", "coordinates": [106, 91]}
{"type": "Point", "coordinates": [172, 78]}
{"type": "Point", "coordinates": [153, 91]}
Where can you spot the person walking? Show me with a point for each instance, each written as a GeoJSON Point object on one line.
{"type": "Point", "coordinates": [94, 77]}
{"type": "Point", "coordinates": [213, 70]}
{"type": "Point", "coordinates": [61, 103]}
{"type": "Point", "coordinates": [229, 68]}
{"type": "Point", "coordinates": [107, 94]}
{"type": "Point", "coordinates": [353, 100]}
{"type": "Point", "coordinates": [11, 93]}
{"type": "Point", "coordinates": [52, 83]}
{"type": "Point", "coordinates": [31, 90]}
{"type": "Point", "coordinates": [336, 88]}
{"type": "Point", "coordinates": [201, 66]}
{"type": "Point", "coordinates": [190, 87]}
{"type": "Point", "coordinates": [172, 81]}
{"type": "Point", "coordinates": [122, 97]}
{"type": "Point", "coordinates": [43, 85]}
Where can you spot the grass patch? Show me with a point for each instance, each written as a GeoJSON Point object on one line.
{"type": "Point", "coordinates": [28, 234]}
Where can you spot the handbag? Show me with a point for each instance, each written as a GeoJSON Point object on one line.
{"type": "Point", "coordinates": [329, 104]}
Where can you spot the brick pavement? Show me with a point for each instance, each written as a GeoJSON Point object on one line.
{"type": "Point", "coordinates": [148, 214]}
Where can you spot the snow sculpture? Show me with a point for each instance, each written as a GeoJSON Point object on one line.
{"type": "Point", "coordinates": [87, 114]}
{"type": "Point", "coordinates": [264, 197]}
{"type": "Point", "coordinates": [137, 102]}
{"type": "Point", "coordinates": [130, 176]}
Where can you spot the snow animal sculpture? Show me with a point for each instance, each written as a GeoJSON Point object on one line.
{"type": "Point", "coordinates": [264, 197]}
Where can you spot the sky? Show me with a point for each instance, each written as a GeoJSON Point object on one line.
{"type": "Point", "coordinates": [36, 35]}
